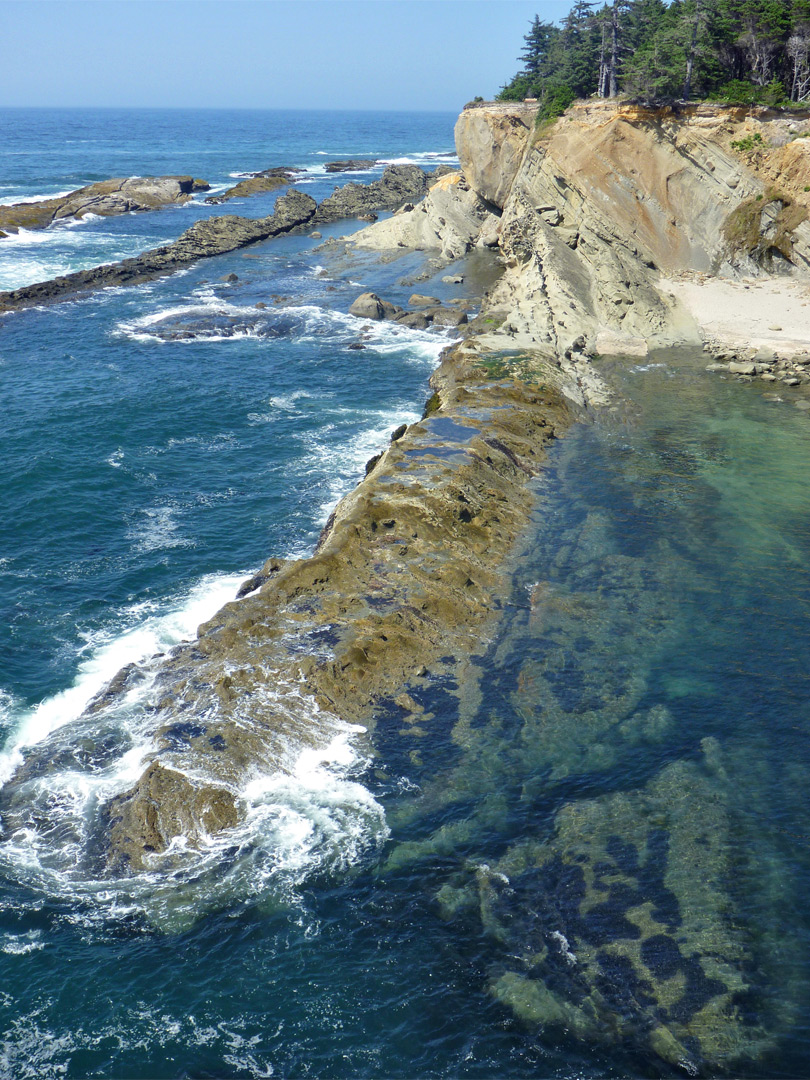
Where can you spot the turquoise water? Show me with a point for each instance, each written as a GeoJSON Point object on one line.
{"type": "Point", "coordinates": [647, 689]}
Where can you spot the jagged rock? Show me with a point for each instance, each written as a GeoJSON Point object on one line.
{"type": "Point", "coordinates": [397, 185]}
{"type": "Point", "coordinates": [212, 236]}
{"type": "Point", "coordinates": [450, 219]}
{"type": "Point", "coordinates": [352, 165]}
{"type": "Point", "coordinates": [105, 198]}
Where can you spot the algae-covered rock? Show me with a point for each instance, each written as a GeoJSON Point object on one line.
{"type": "Point", "coordinates": [620, 925]}
{"type": "Point", "coordinates": [104, 198]}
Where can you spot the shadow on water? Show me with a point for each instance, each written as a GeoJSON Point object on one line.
{"type": "Point", "coordinates": [620, 806]}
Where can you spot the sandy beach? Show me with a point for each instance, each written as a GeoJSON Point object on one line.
{"type": "Point", "coordinates": [770, 313]}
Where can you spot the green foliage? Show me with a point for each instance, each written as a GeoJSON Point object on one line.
{"type": "Point", "coordinates": [749, 142]}
{"type": "Point", "coordinates": [745, 232]}
{"type": "Point", "coordinates": [742, 52]}
{"type": "Point", "coordinates": [556, 99]}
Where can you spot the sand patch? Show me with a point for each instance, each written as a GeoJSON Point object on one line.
{"type": "Point", "coordinates": [770, 313]}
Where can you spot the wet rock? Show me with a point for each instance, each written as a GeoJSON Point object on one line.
{"type": "Point", "coordinates": [398, 185]}
{"type": "Point", "coordinates": [105, 199]}
{"type": "Point", "coordinates": [445, 316]}
{"type": "Point", "coordinates": [205, 239]}
{"type": "Point", "coordinates": [416, 320]}
{"type": "Point", "coordinates": [351, 165]}
{"type": "Point", "coordinates": [334, 635]}
{"type": "Point", "coordinates": [271, 180]}
{"type": "Point", "coordinates": [369, 306]}
{"type": "Point", "coordinates": [742, 368]}
{"type": "Point", "coordinates": [418, 300]}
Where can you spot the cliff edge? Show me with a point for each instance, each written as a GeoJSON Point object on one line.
{"type": "Point", "coordinates": [598, 213]}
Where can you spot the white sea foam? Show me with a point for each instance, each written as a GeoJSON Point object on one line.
{"type": "Point", "coordinates": [13, 200]}
{"type": "Point", "coordinates": [22, 944]}
{"type": "Point", "coordinates": [106, 653]}
{"type": "Point", "coordinates": [309, 815]}
{"type": "Point", "coordinates": [157, 530]}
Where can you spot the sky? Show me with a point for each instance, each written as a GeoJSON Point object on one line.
{"type": "Point", "coordinates": [272, 54]}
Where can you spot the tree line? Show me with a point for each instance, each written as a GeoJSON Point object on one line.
{"type": "Point", "coordinates": [738, 51]}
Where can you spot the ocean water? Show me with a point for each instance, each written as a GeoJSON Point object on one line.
{"type": "Point", "coordinates": [160, 442]}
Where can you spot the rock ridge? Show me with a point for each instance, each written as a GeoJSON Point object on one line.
{"type": "Point", "coordinates": [105, 198]}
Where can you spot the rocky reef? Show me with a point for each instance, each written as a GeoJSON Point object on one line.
{"type": "Point", "coordinates": [205, 239]}
{"type": "Point", "coordinates": [229, 232]}
{"type": "Point", "coordinates": [406, 579]}
{"type": "Point", "coordinates": [104, 198]}
{"type": "Point", "coordinates": [257, 184]}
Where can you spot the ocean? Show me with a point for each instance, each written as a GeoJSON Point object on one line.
{"type": "Point", "coordinates": [160, 442]}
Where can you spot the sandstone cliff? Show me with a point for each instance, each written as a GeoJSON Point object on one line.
{"type": "Point", "coordinates": [592, 212]}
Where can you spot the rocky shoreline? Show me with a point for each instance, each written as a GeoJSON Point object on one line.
{"type": "Point", "coordinates": [219, 235]}
{"type": "Point", "coordinates": [614, 925]}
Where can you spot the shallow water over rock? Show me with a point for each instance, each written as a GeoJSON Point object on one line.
{"type": "Point", "coordinates": [623, 814]}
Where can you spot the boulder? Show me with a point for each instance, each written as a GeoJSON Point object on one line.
{"type": "Point", "coordinates": [369, 306]}
{"type": "Point", "coordinates": [444, 316]}
{"type": "Point", "coordinates": [416, 320]}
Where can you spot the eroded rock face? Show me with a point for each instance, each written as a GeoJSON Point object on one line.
{"type": "Point", "coordinates": [105, 198]}
{"type": "Point", "coordinates": [451, 219]}
{"type": "Point", "coordinates": [493, 141]}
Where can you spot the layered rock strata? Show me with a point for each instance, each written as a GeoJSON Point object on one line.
{"type": "Point", "coordinates": [592, 212]}
{"type": "Point", "coordinates": [105, 199]}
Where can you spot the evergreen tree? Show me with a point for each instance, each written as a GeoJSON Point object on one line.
{"type": "Point", "coordinates": [735, 50]}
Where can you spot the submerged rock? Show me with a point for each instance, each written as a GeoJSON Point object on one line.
{"type": "Point", "coordinates": [618, 927]}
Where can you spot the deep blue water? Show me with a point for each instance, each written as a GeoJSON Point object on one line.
{"type": "Point", "coordinates": [665, 575]}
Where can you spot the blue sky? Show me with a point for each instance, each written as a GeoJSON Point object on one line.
{"type": "Point", "coordinates": [342, 54]}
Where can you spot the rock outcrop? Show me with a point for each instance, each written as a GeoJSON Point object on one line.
{"type": "Point", "coordinates": [105, 198]}
{"type": "Point", "coordinates": [451, 219]}
{"type": "Point", "coordinates": [591, 212]}
{"type": "Point", "coordinates": [407, 576]}
{"type": "Point", "coordinates": [205, 239]}
{"type": "Point", "coordinates": [397, 185]}
{"type": "Point", "coordinates": [257, 184]}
